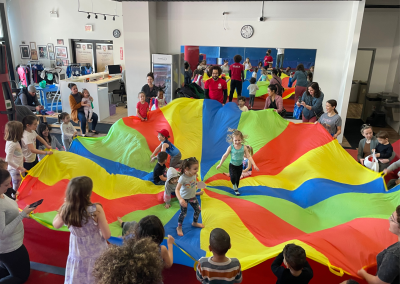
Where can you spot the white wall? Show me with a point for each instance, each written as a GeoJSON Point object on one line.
{"type": "Point", "coordinates": [138, 35]}
{"type": "Point", "coordinates": [379, 29]}
{"type": "Point", "coordinates": [324, 26]}
{"type": "Point", "coordinates": [30, 21]}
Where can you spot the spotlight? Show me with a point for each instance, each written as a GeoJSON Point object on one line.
{"type": "Point", "coordinates": [88, 15]}
{"type": "Point", "coordinates": [105, 17]}
{"type": "Point", "coordinates": [95, 16]}
{"type": "Point", "coordinates": [114, 18]}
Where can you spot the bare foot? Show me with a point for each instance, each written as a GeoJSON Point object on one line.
{"type": "Point", "coordinates": [200, 192]}
{"type": "Point", "coordinates": [198, 225]}
{"type": "Point", "coordinates": [179, 231]}
{"type": "Point", "coordinates": [119, 220]}
{"type": "Point", "coordinates": [227, 174]}
{"type": "Point", "coordinates": [167, 206]}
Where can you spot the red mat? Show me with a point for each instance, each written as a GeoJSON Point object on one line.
{"type": "Point", "coordinates": [51, 247]}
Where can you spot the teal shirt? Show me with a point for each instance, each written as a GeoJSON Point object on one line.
{"type": "Point", "coordinates": [237, 156]}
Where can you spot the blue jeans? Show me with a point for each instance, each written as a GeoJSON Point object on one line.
{"type": "Point", "coordinates": [82, 119]}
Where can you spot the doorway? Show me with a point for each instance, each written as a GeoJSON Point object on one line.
{"type": "Point", "coordinates": [361, 81]}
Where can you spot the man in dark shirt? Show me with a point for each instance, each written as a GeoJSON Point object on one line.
{"type": "Point", "coordinates": [27, 97]}
{"type": "Point", "coordinates": [160, 169]}
{"type": "Point", "coordinates": [298, 270]}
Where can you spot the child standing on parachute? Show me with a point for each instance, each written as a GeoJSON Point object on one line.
{"type": "Point", "coordinates": [237, 151]}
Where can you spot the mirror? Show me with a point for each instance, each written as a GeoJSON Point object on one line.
{"type": "Point", "coordinates": [258, 64]}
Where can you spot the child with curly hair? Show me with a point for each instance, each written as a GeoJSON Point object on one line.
{"type": "Point", "coordinates": [237, 151]}
{"type": "Point", "coordinates": [150, 226]}
{"type": "Point", "coordinates": [186, 193]}
{"type": "Point", "coordinates": [136, 261]}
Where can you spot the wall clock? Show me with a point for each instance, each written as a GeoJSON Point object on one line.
{"type": "Point", "coordinates": [116, 33]}
{"type": "Point", "coordinates": [247, 31]}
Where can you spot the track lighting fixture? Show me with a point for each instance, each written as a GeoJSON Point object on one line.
{"type": "Point", "coordinates": [105, 17]}
{"type": "Point", "coordinates": [95, 16]}
{"type": "Point", "coordinates": [114, 18]}
{"type": "Point", "coordinates": [88, 15]}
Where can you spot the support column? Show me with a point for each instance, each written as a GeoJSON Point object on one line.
{"type": "Point", "coordinates": [138, 34]}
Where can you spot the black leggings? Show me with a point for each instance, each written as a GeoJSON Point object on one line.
{"type": "Point", "coordinates": [252, 100]}
{"type": "Point", "coordinates": [235, 84]}
{"type": "Point", "coordinates": [235, 172]}
{"type": "Point", "coordinates": [15, 266]}
{"type": "Point", "coordinates": [29, 166]}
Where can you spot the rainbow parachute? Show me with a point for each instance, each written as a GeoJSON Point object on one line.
{"type": "Point", "coordinates": [309, 190]}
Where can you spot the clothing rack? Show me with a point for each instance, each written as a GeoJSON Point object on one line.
{"type": "Point", "coordinates": [30, 62]}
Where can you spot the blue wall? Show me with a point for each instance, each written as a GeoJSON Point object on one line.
{"type": "Point", "coordinates": [292, 56]}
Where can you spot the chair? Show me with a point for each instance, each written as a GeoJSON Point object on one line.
{"type": "Point", "coordinates": [121, 92]}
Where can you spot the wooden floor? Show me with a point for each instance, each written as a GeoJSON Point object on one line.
{"type": "Point", "coordinates": [121, 112]}
{"type": "Point", "coordinates": [354, 110]}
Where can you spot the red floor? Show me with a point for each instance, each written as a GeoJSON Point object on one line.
{"type": "Point", "coordinates": [51, 247]}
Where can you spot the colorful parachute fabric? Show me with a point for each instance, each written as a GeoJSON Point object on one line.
{"type": "Point", "coordinates": [309, 190]}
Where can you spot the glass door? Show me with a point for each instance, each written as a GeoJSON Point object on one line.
{"type": "Point", "coordinates": [162, 77]}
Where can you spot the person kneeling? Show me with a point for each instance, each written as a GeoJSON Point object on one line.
{"type": "Point", "coordinates": [160, 169]}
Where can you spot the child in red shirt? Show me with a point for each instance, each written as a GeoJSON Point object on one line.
{"type": "Point", "coordinates": [142, 107]}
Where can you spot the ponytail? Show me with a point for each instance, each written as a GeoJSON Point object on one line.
{"type": "Point", "coordinates": [187, 163]}
{"type": "Point", "coordinates": [61, 116]}
{"type": "Point", "coordinates": [71, 85]}
{"type": "Point", "coordinates": [333, 103]}
{"type": "Point", "coordinates": [28, 120]}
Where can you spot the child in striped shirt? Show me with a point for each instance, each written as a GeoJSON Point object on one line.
{"type": "Point", "coordinates": [219, 268]}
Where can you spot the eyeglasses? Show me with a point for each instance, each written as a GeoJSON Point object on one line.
{"type": "Point", "coordinates": [391, 219]}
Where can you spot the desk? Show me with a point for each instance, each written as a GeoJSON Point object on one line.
{"type": "Point", "coordinates": [43, 97]}
{"type": "Point", "coordinates": [98, 89]}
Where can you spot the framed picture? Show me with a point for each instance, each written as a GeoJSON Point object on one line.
{"type": "Point", "coordinates": [65, 62]}
{"type": "Point", "coordinates": [60, 41]}
{"type": "Point", "coordinates": [61, 52]}
{"type": "Point", "coordinates": [33, 45]}
{"type": "Point", "coordinates": [52, 56]}
{"type": "Point", "coordinates": [34, 54]}
{"type": "Point", "coordinates": [59, 62]}
{"type": "Point", "coordinates": [25, 52]}
{"type": "Point", "coordinates": [42, 51]}
{"type": "Point", "coordinates": [50, 47]}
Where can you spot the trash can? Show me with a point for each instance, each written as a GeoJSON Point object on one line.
{"type": "Point", "coordinates": [354, 91]}
{"type": "Point", "coordinates": [362, 91]}
{"type": "Point", "coordinates": [371, 104]}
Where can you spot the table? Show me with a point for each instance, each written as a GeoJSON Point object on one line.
{"type": "Point", "coordinates": [43, 97]}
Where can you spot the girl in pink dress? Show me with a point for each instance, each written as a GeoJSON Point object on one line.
{"type": "Point", "coordinates": [89, 230]}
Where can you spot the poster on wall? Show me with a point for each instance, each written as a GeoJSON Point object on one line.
{"type": "Point", "coordinates": [34, 54]}
{"type": "Point", "coordinates": [84, 53]}
{"type": "Point", "coordinates": [42, 51]}
{"type": "Point", "coordinates": [104, 53]}
{"type": "Point", "coordinates": [61, 52]}
{"type": "Point", "coordinates": [25, 52]}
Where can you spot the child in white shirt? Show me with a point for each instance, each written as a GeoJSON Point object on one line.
{"type": "Point", "coordinates": [87, 105]}
{"type": "Point", "coordinates": [68, 131]}
{"type": "Point", "coordinates": [241, 104]}
{"type": "Point", "coordinates": [28, 142]}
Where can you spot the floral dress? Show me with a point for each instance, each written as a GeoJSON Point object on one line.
{"type": "Point", "coordinates": [86, 244]}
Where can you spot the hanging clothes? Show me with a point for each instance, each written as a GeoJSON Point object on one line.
{"type": "Point", "coordinates": [23, 75]}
